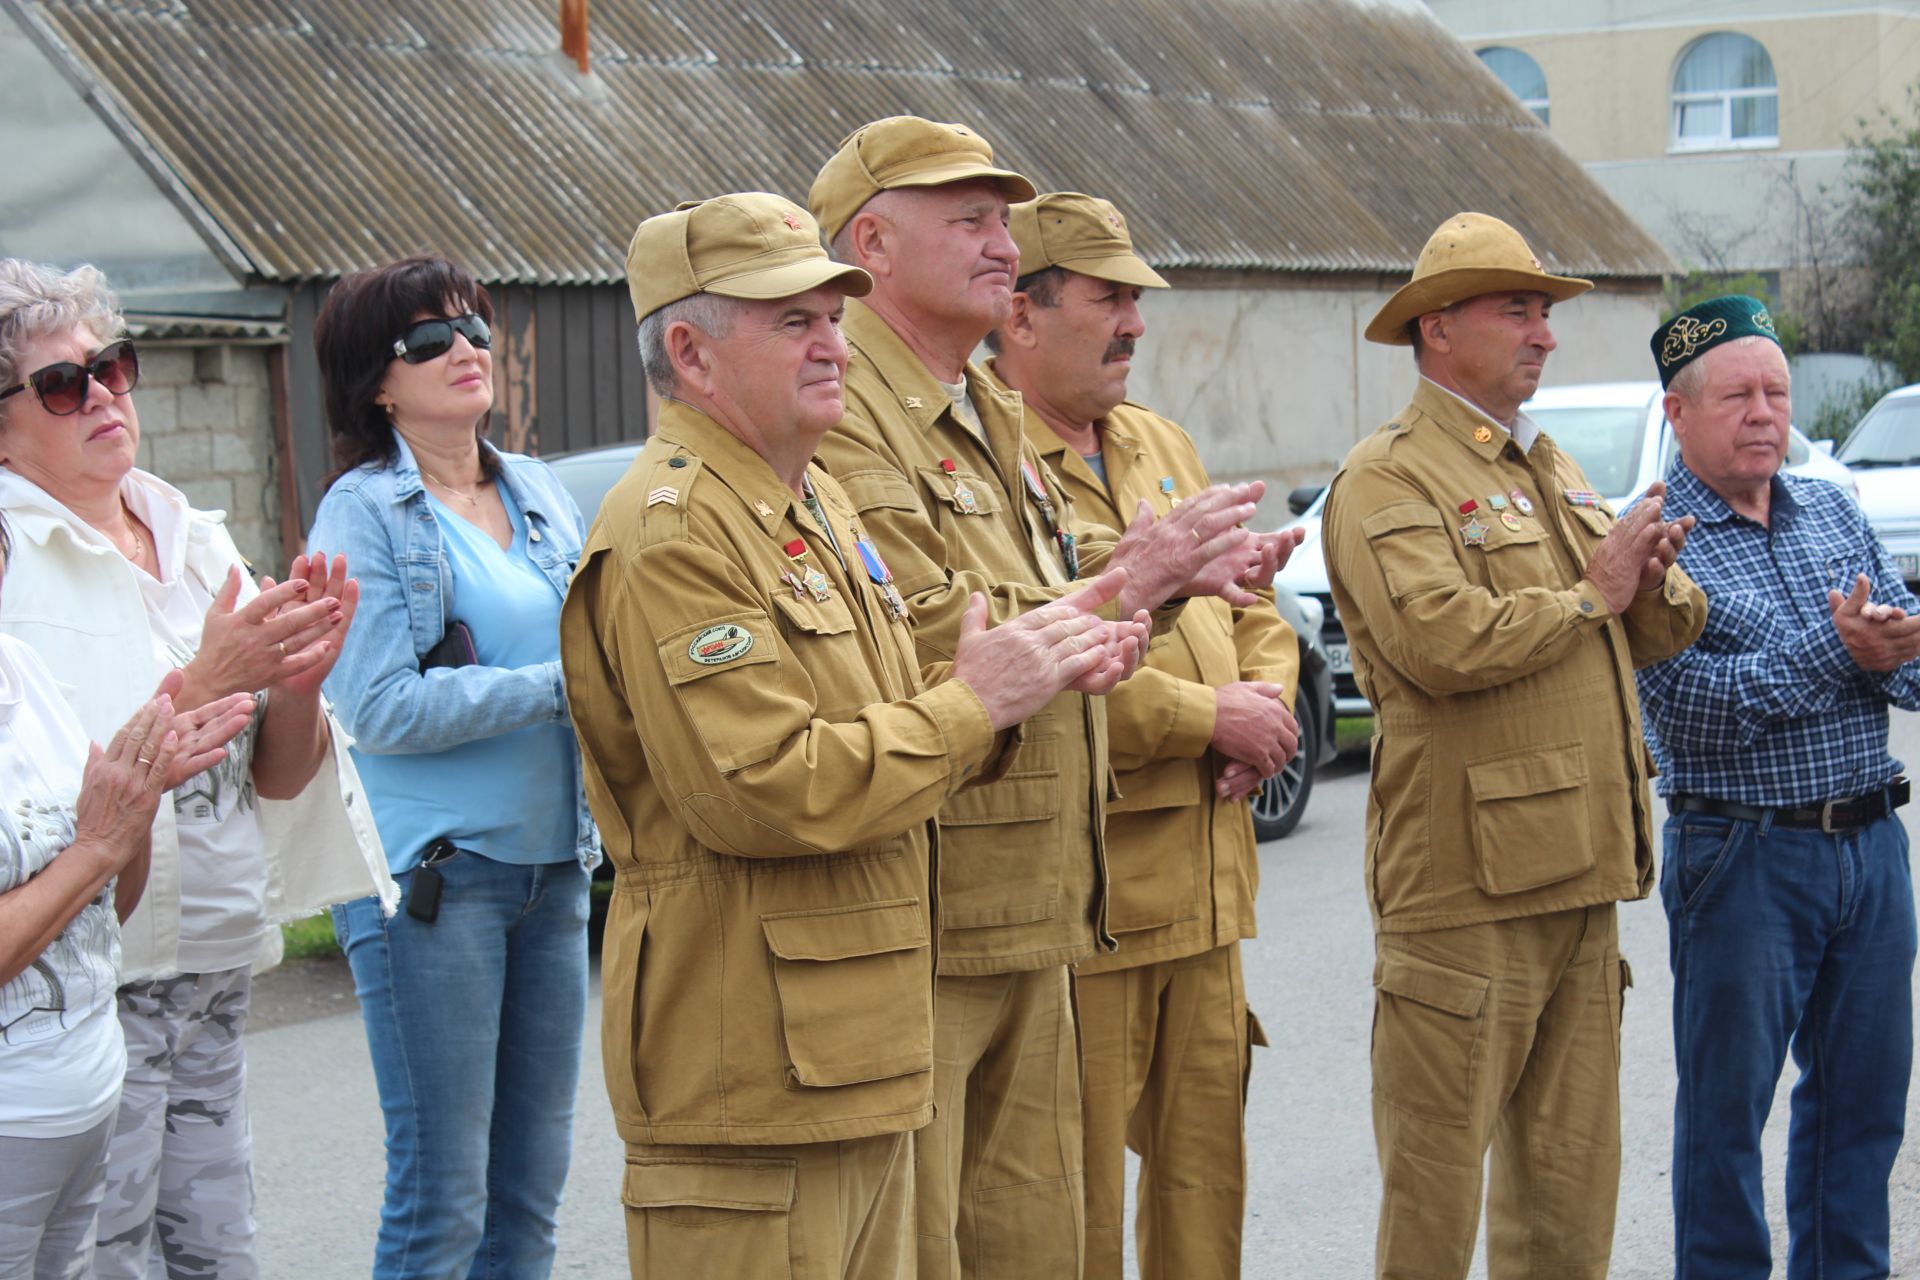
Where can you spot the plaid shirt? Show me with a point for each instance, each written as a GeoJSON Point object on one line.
{"type": "Point", "coordinates": [1767, 708]}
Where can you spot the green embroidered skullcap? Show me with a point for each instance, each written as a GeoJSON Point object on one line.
{"type": "Point", "coordinates": [1706, 325]}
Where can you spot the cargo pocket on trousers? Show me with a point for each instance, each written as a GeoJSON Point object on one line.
{"type": "Point", "coordinates": [1256, 1036]}
{"type": "Point", "coordinates": [688, 1216]}
{"type": "Point", "coordinates": [1530, 822]}
{"type": "Point", "coordinates": [1428, 1021]}
{"type": "Point", "coordinates": [856, 991]}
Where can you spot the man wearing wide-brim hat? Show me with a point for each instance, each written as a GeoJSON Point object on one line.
{"type": "Point", "coordinates": [766, 762]}
{"type": "Point", "coordinates": [1497, 611]}
{"type": "Point", "coordinates": [1786, 880]}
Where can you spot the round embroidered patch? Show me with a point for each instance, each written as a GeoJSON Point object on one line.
{"type": "Point", "coordinates": [719, 644]}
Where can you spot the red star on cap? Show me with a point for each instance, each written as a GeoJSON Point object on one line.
{"type": "Point", "coordinates": [790, 220]}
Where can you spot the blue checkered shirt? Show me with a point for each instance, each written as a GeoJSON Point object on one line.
{"type": "Point", "coordinates": [1767, 708]}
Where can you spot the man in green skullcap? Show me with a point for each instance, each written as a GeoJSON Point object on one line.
{"type": "Point", "coordinates": [1165, 1031]}
{"type": "Point", "coordinates": [1497, 612]}
{"type": "Point", "coordinates": [765, 762]}
{"type": "Point", "coordinates": [1786, 875]}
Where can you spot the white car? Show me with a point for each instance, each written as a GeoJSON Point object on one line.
{"type": "Point", "coordinates": [1884, 453]}
{"type": "Point", "coordinates": [1618, 433]}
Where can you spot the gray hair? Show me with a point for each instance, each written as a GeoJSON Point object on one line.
{"type": "Point", "coordinates": [710, 313]}
{"type": "Point", "coordinates": [39, 301]}
{"type": "Point", "coordinates": [1686, 383]}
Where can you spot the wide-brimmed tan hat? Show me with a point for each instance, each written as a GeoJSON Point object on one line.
{"type": "Point", "coordinates": [1469, 255]}
{"type": "Point", "coordinates": [749, 245]}
{"type": "Point", "coordinates": [903, 151]}
{"type": "Point", "coordinates": [1081, 233]}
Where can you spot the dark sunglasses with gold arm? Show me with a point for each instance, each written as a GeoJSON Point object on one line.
{"type": "Point", "coordinates": [62, 387]}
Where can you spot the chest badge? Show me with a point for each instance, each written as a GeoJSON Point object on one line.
{"type": "Point", "coordinates": [762, 510]}
{"type": "Point", "coordinates": [1473, 533]}
{"type": "Point", "coordinates": [720, 644]}
{"type": "Point", "coordinates": [1583, 498]}
{"type": "Point", "coordinates": [1510, 520]}
{"type": "Point", "coordinates": [1522, 501]}
{"type": "Point", "coordinates": [962, 496]}
{"type": "Point", "coordinates": [1166, 487]}
{"type": "Point", "coordinates": [881, 577]}
{"type": "Point", "coordinates": [1482, 434]}
{"type": "Point", "coordinates": [807, 572]}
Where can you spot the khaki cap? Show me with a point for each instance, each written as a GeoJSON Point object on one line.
{"type": "Point", "coordinates": [1081, 233]}
{"type": "Point", "coordinates": [750, 245]}
{"type": "Point", "coordinates": [903, 151]}
{"type": "Point", "coordinates": [1469, 255]}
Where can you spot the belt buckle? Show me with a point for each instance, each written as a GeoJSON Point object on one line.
{"type": "Point", "coordinates": [1826, 817]}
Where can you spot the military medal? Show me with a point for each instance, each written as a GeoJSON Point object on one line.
{"type": "Point", "coordinates": [1473, 533]}
{"type": "Point", "coordinates": [1523, 502]}
{"type": "Point", "coordinates": [1510, 520]}
{"type": "Point", "coordinates": [881, 577]}
{"type": "Point", "coordinates": [1069, 545]}
{"type": "Point", "coordinates": [807, 573]}
{"type": "Point", "coordinates": [1166, 487]}
{"type": "Point", "coordinates": [1583, 497]}
{"type": "Point", "coordinates": [962, 496]}
{"type": "Point", "coordinates": [1496, 502]}
{"type": "Point", "coordinates": [1038, 492]}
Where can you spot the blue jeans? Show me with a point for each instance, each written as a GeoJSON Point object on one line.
{"type": "Point", "coordinates": [475, 1024]}
{"type": "Point", "coordinates": [1783, 937]}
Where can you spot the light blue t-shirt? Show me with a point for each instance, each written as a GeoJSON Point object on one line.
{"type": "Point", "coordinates": [511, 796]}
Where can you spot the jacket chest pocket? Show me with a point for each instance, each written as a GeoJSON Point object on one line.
{"type": "Point", "coordinates": [856, 991]}
{"type": "Point", "coordinates": [963, 491]}
{"type": "Point", "coordinates": [1518, 559]}
{"type": "Point", "coordinates": [821, 635]}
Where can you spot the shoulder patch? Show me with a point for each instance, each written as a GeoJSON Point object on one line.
{"type": "Point", "coordinates": [719, 644]}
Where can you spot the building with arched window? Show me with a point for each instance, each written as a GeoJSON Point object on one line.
{"type": "Point", "coordinates": [1718, 123]}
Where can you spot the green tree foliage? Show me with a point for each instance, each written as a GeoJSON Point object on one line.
{"type": "Point", "coordinates": [1883, 183]}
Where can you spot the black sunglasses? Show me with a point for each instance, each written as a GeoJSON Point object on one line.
{"type": "Point", "coordinates": [62, 387]}
{"type": "Point", "coordinates": [431, 339]}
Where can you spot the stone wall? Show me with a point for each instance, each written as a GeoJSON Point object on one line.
{"type": "Point", "coordinates": [206, 427]}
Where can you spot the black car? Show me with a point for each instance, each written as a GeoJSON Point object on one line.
{"type": "Point", "coordinates": [589, 473]}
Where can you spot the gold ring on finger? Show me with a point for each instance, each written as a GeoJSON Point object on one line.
{"type": "Point", "coordinates": [283, 649]}
{"type": "Point", "coordinates": [146, 762]}
{"type": "Point", "coordinates": [1198, 540]}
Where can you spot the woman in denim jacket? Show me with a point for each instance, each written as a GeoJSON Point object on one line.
{"type": "Point", "coordinates": [475, 994]}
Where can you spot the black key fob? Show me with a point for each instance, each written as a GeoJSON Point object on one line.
{"type": "Point", "coordinates": [423, 894]}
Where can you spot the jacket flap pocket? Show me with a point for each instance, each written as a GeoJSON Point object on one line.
{"type": "Point", "coordinates": [869, 929]}
{"type": "Point", "coordinates": [946, 488]}
{"type": "Point", "coordinates": [1422, 981]}
{"type": "Point", "coordinates": [827, 617]}
{"type": "Point", "coordinates": [879, 488]}
{"type": "Point", "coordinates": [1534, 772]}
{"type": "Point", "coordinates": [660, 1182]}
{"type": "Point", "coordinates": [717, 644]}
{"type": "Point", "coordinates": [1499, 535]}
{"type": "Point", "coordinates": [1401, 515]}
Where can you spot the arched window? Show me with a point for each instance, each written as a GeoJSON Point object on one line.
{"type": "Point", "coordinates": [1724, 95]}
{"type": "Point", "coordinates": [1522, 76]}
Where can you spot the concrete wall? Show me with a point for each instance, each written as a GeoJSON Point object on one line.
{"type": "Point", "coordinates": [1276, 382]}
{"type": "Point", "coordinates": [206, 427]}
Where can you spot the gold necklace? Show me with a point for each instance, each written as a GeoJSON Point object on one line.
{"type": "Point", "coordinates": [471, 499]}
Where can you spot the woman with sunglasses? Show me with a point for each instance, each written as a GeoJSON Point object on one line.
{"type": "Point", "coordinates": [475, 994]}
{"type": "Point", "coordinates": [73, 862]}
{"type": "Point", "coordinates": [115, 581]}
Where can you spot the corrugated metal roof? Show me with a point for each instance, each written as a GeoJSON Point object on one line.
{"type": "Point", "coordinates": [311, 137]}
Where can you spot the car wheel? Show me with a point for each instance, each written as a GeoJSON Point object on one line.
{"type": "Point", "coordinates": [1281, 800]}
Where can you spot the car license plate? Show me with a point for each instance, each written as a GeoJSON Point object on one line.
{"type": "Point", "coordinates": [1341, 659]}
{"type": "Point", "coordinates": [1909, 565]}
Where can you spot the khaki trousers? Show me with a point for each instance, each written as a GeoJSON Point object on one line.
{"type": "Point", "coordinates": [1166, 1051]}
{"type": "Point", "coordinates": [1504, 1035]}
{"type": "Point", "coordinates": [817, 1211]}
{"type": "Point", "coordinates": [1000, 1190]}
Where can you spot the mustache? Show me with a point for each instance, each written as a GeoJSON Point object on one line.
{"type": "Point", "coordinates": [1117, 348]}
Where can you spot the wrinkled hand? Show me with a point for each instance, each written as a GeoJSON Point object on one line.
{"type": "Point", "coordinates": [1253, 724]}
{"type": "Point", "coordinates": [1271, 551]}
{"type": "Point", "coordinates": [321, 641]}
{"type": "Point", "coordinates": [1636, 552]}
{"type": "Point", "coordinates": [1879, 637]}
{"type": "Point", "coordinates": [1018, 667]}
{"type": "Point", "coordinates": [204, 731]}
{"type": "Point", "coordinates": [121, 787]}
{"type": "Point", "coordinates": [1238, 781]}
{"type": "Point", "coordinates": [255, 645]}
{"type": "Point", "coordinates": [1198, 549]}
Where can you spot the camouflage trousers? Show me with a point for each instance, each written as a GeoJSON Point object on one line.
{"type": "Point", "coordinates": [179, 1171]}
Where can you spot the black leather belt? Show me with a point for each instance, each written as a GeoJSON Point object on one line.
{"type": "Point", "coordinates": [1847, 814]}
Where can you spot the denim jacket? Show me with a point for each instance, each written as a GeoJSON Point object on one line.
{"type": "Point", "coordinates": [378, 516]}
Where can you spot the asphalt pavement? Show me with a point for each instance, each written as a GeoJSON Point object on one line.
{"type": "Point", "coordinates": [1313, 1190]}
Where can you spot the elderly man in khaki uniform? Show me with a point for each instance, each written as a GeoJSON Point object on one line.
{"type": "Point", "coordinates": [1164, 1024]}
{"type": "Point", "coordinates": [931, 452]}
{"type": "Point", "coordinates": [1497, 612]}
{"type": "Point", "coordinates": [765, 762]}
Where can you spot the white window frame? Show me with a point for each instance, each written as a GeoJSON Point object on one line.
{"type": "Point", "coordinates": [1542, 108]}
{"type": "Point", "coordinates": [1723, 139]}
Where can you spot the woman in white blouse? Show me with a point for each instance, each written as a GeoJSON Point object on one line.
{"type": "Point", "coordinates": [74, 820]}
